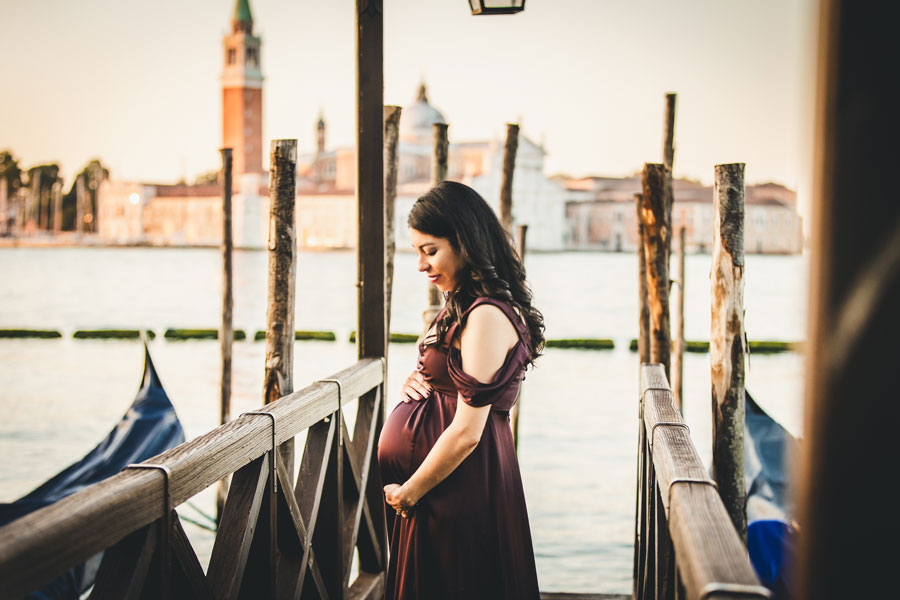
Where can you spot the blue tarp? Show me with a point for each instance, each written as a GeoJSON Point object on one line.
{"type": "Point", "coordinates": [149, 427]}
{"type": "Point", "coordinates": [768, 451]}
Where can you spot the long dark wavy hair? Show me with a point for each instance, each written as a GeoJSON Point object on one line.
{"type": "Point", "coordinates": [491, 266]}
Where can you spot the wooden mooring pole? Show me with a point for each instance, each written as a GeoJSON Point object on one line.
{"type": "Point", "coordinates": [279, 377]}
{"type": "Point", "coordinates": [847, 511]}
{"type": "Point", "coordinates": [521, 233]}
{"type": "Point", "coordinates": [226, 337]}
{"type": "Point", "coordinates": [509, 169]}
{"type": "Point", "coordinates": [653, 214]}
{"type": "Point", "coordinates": [391, 157]}
{"type": "Point", "coordinates": [678, 326]}
{"type": "Point", "coordinates": [438, 174]}
{"type": "Point", "coordinates": [644, 309]}
{"type": "Point", "coordinates": [669, 159]}
{"type": "Point", "coordinates": [372, 338]}
{"type": "Point", "coordinates": [726, 342]}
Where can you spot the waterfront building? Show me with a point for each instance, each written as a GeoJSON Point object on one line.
{"type": "Point", "coordinates": [538, 201]}
{"type": "Point", "coordinates": [601, 215]}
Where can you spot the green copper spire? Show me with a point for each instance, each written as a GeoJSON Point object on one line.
{"type": "Point", "coordinates": [242, 11]}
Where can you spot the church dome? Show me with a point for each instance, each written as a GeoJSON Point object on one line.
{"type": "Point", "coordinates": [416, 120]}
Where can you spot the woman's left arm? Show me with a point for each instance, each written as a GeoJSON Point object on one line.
{"type": "Point", "coordinates": [484, 344]}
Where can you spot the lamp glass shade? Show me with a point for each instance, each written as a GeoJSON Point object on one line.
{"type": "Point", "coordinates": [496, 7]}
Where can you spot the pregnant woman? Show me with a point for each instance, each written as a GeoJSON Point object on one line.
{"type": "Point", "coordinates": [456, 509]}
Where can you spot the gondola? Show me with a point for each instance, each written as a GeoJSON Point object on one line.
{"type": "Point", "coordinates": [148, 427]}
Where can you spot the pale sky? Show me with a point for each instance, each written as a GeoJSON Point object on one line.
{"type": "Point", "coordinates": [136, 82]}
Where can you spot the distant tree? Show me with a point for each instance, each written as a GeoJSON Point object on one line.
{"type": "Point", "coordinates": [41, 203]}
{"type": "Point", "coordinates": [94, 174]}
{"type": "Point", "coordinates": [208, 178]}
{"type": "Point", "coordinates": [10, 171]}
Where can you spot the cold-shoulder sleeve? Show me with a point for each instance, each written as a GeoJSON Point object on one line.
{"type": "Point", "coordinates": [504, 387]}
{"type": "Point", "coordinates": [476, 393]}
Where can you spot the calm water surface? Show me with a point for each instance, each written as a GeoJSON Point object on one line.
{"type": "Point", "coordinates": [579, 409]}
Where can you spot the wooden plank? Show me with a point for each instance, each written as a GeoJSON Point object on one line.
{"type": "Point", "coordinates": [94, 519]}
{"type": "Point", "coordinates": [368, 586]}
{"type": "Point", "coordinates": [309, 492]}
{"type": "Point", "coordinates": [123, 569]}
{"type": "Point", "coordinates": [295, 558]}
{"type": "Point", "coordinates": [236, 529]}
{"type": "Point", "coordinates": [188, 580]}
{"type": "Point", "coordinates": [707, 546]}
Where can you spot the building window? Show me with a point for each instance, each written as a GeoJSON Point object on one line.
{"type": "Point", "coordinates": [232, 56]}
{"type": "Point", "coordinates": [252, 57]}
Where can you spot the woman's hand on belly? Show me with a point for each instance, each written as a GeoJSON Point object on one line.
{"type": "Point", "coordinates": [415, 387]}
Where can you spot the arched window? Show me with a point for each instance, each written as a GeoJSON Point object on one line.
{"type": "Point", "coordinates": [232, 56]}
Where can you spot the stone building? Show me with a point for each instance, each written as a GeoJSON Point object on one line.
{"type": "Point", "coordinates": [600, 214]}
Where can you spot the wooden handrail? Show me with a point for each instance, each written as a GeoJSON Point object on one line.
{"type": "Point", "coordinates": [710, 558]}
{"type": "Point", "coordinates": [66, 533]}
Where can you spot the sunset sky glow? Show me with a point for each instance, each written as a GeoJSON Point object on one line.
{"type": "Point", "coordinates": [138, 86]}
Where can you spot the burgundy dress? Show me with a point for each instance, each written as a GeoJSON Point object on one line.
{"type": "Point", "coordinates": [469, 536]}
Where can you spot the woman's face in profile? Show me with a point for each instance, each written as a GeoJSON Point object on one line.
{"type": "Point", "coordinates": [437, 258]}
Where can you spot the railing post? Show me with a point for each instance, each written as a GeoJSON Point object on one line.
{"type": "Point", "coordinates": [656, 243]}
{"type": "Point", "coordinates": [726, 342]}
{"type": "Point", "coordinates": [279, 377]}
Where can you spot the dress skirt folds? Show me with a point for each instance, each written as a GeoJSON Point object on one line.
{"type": "Point", "coordinates": [467, 538]}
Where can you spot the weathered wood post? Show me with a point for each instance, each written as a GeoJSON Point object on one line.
{"type": "Point", "coordinates": [391, 157]}
{"type": "Point", "coordinates": [521, 233]}
{"type": "Point", "coordinates": [438, 174]}
{"type": "Point", "coordinates": [669, 158]}
{"type": "Point", "coordinates": [57, 207]}
{"type": "Point", "coordinates": [509, 168]}
{"type": "Point", "coordinates": [726, 342]}
{"type": "Point", "coordinates": [279, 377]}
{"type": "Point", "coordinates": [851, 408]}
{"type": "Point", "coordinates": [79, 204]}
{"type": "Point", "coordinates": [656, 244]}
{"type": "Point", "coordinates": [643, 308]}
{"type": "Point", "coordinates": [372, 330]}
{"type": "Point", "coordinates": [678, 326]}
{"type": "Point", "coordinates": [226, 337]}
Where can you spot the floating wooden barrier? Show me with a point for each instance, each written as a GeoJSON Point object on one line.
{"type": "Point", "coordinates": [200, 334]}
{"type": "Point", "coordinates": [394, 338]}
{"type": "Point", "coordinates": [29, 333]}
{"type": "Point", "coordinates": [755, 346]}
{"type": "Point", "coordinates": [112, 334]}
{"type": "Point", "coordinates": [581, 343]}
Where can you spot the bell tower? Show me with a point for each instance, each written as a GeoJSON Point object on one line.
{"type": "Point", "coordinates": [242, 94]}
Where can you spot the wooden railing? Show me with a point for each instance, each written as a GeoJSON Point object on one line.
{"type": "Point", "coordinates": [274, 539]}
{"type": "Point", "coordinates": [685, 544]}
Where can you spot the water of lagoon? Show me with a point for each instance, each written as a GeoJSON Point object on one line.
{"type": "Point", "coordinates": [578, 430]}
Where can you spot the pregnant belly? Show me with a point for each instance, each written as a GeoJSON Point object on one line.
{"type": "Point", "coordinates": [408, 435]}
